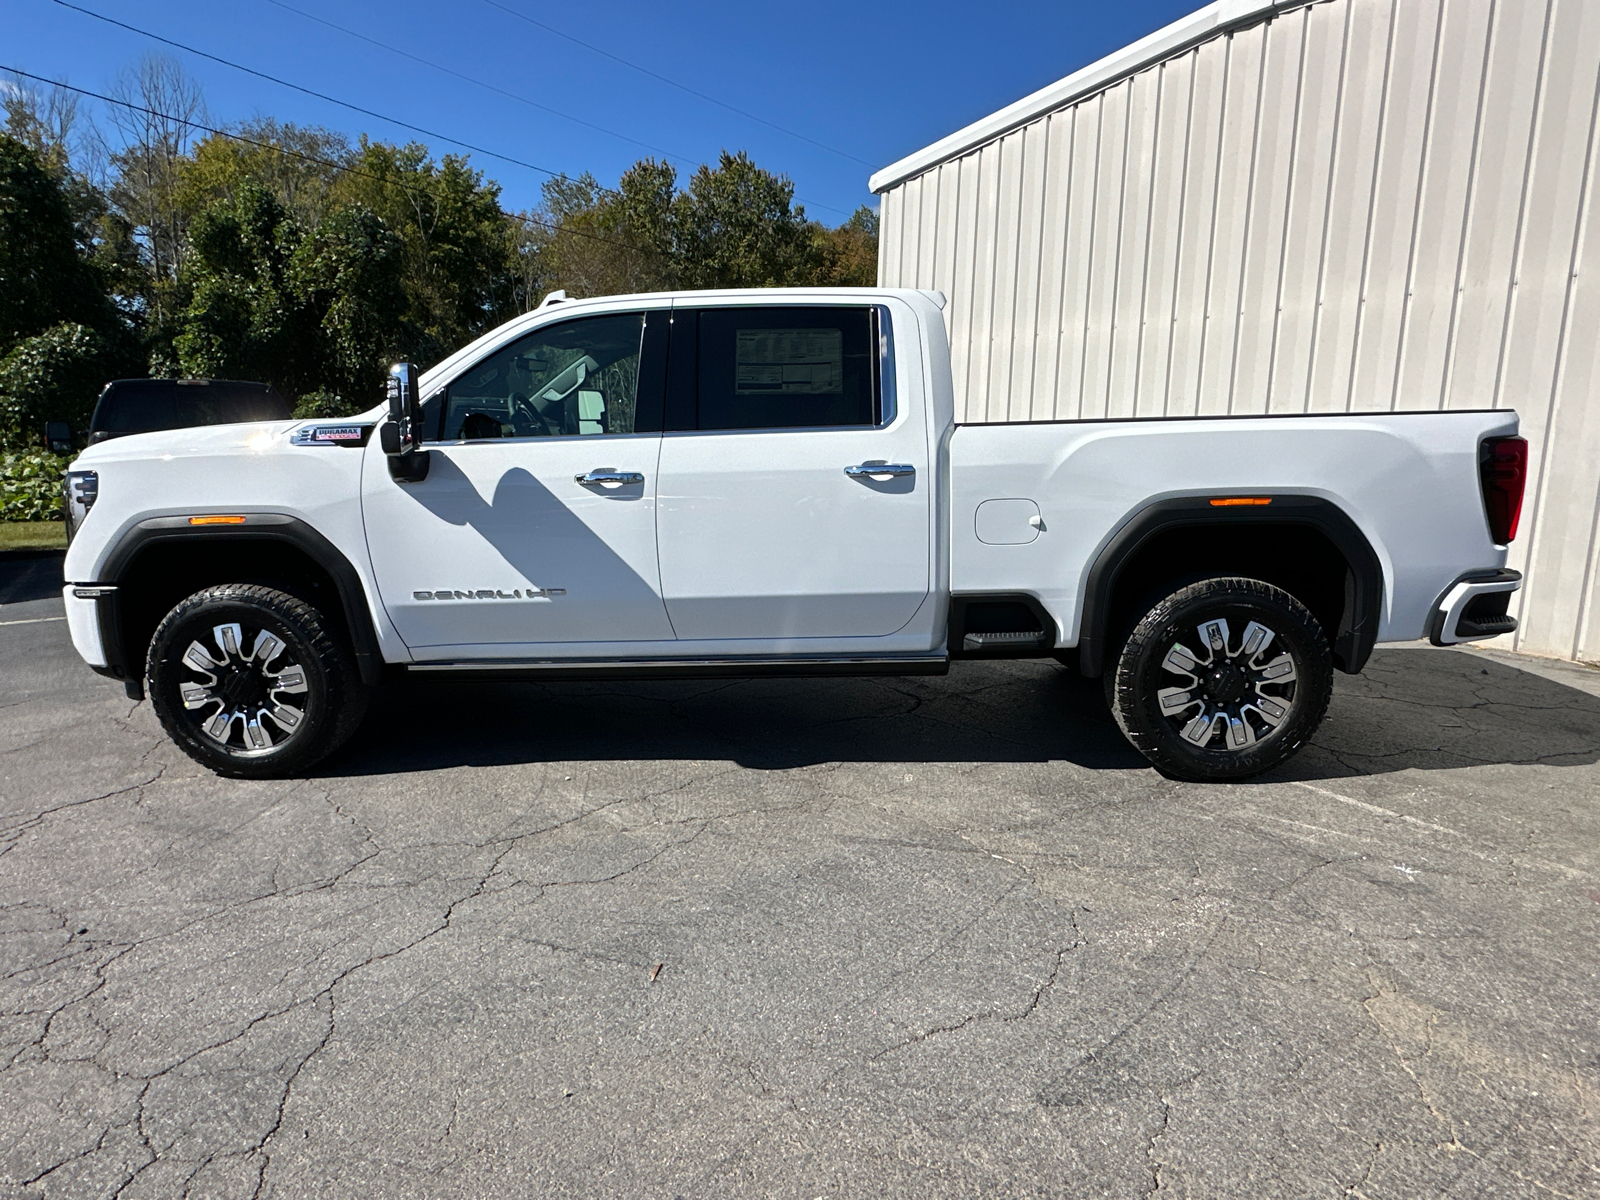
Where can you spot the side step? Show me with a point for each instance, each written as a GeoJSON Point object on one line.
{"type": "Point", "coordinates": [1469, 630]}
{"type": "Point", "coordinates": [551, 670]}
{"type": "Point", "coordinates": [1005, 641]}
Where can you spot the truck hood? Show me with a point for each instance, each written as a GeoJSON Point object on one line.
{"type": "Point", "coordinates": [193, 441]}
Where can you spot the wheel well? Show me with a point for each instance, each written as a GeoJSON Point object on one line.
{"type": "Point", "coordinates": [163, 573]}
{"type": "Point", "coordinates": [1301, 559]}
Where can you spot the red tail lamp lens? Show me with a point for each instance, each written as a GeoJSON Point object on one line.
{"type": "Point", "coordinates": [1503, 468]}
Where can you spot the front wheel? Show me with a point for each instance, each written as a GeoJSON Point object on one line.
{"type": "Point", "coordinates": [1223, 679]}
{"type": "Point", "coordinates": [252, 682]}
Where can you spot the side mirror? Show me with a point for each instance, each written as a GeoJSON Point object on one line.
{"type": "Point", "coordinates": [401, 435]}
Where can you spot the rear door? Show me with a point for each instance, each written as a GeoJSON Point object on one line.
{"type": "Point", "coordinates": [772, 523]}
{"type": "Point", "coordinates": [534, 532]}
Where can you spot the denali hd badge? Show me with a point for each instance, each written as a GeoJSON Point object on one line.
{"type": "Point", "coordinates": [492, 594]}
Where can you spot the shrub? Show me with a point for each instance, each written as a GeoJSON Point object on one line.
{"type": "Point", "coordinates": [54, 376]}
{"type": "Point", "coordinates": [30, 486]}
{"type": "Point", "coordinates": [324, 405]}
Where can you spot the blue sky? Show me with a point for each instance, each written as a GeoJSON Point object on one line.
{"type": "Point", "coordinates": [865, 83]}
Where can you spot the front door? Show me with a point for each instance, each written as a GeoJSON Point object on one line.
{"type": "Point", "coordinates": [773, 524]}
{"type": "Point", "coordinates": [535, 529]}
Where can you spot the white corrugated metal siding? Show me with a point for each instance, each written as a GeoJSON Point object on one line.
{"type": "Point", "coordinates": [1357, 205]}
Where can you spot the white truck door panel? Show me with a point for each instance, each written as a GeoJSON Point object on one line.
{"type": "Point", "coordinates": [536, 522]}
{"type": "Point", "coordinates": [501, 544]}
{"type": "Point", "coordinates": [763, 533]}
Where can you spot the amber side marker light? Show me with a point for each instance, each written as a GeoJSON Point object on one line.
{"type": "Point", "coordinates": [1238, 501]}
{"type": "Point", "coordinates": [216, 520]}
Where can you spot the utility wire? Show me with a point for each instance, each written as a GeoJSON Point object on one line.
{"type": "Point", "coordinates": [318, 95]}
{"type": "Point", "coordinates": [313, 158]}
{"type": "Point", "coordinates": [355, 107]}
{"type": "Point", "coordinates": [372, 41]}
{"type": "Point", "coordinates": [682, 87]}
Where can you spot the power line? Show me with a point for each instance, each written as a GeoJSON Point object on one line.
{"type": "Point", "coordinates": [318, 95]}
{"type": "Point", "coordinates": [478, 82]}
{"type": "Point", "coordinates": [346, 104]}
{"type": "Point", "coordinates": [682, 87]}
{"type": "Point", "coordinates": [682, 158]}
{"type": "Point", "coordinates": [313, 158]}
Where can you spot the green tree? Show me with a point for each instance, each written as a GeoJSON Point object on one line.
{"type": "Point", "coordinates": [52, 376]}
{"type": "Point", "coordinates": [605, 243]}
{"type": "Point", "coordinates": [458, 250]}
{"type": "Point", "coordinates": [739, 227]}
{"type": "Point", "coordinates": [735, 225]}
{"type": "Point", "coordinates": [242, 320]}
{"type": "Point", "coordinates": [61, 338]}
{"type": "Point", "coordinates": [44, 277]}
{"type": "Point", "coordinates": [349, 274]}
{"type": "Point", "coordinates": [847, 256]}
{"type": "Point", "coordinates": [156, 126]}
{"type": "Point", "coordinates": [299, 165]}
{"type": "Point", "coordinates": [309, 313]}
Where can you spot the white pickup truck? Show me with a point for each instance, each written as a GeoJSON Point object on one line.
{"type": "Point", "coordinates": [772, 482]}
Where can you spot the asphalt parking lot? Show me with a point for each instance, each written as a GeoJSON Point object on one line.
{"type": "Point", "coordinates": [927, 937]}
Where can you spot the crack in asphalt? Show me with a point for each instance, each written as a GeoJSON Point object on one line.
{"type": "Point", "coordinates": [1027, 1011]}
{"type": "Point", "coordinates": [75, 1019]}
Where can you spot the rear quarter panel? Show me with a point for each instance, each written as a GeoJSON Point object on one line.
{"type": "Point", "coordinates": [1409, 481]}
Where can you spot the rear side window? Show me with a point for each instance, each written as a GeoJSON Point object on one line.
{"type": "Point", "coordinates": [786, 368]}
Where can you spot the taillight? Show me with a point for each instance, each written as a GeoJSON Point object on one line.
{"type": "Point", "coordinates": [1503, 469]}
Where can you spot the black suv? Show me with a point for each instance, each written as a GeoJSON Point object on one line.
{"type": "Point", "coordinates": [142, 405]}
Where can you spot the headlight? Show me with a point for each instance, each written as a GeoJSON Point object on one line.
{"type": "Point", "coordinates": [80, 491]}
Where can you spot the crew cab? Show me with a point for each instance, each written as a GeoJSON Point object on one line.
{"type": "Point", "coordinates": [747, 483]}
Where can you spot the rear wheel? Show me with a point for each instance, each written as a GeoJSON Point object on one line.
{"type": "Point", "coordinates": [252, 683]}
{"type": "Point", "coordinates": [1223, 679]}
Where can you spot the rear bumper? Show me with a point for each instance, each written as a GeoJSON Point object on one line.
{"type": "Point", "coordinates": [1474, 607]}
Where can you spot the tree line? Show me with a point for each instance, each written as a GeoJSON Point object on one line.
{"type": "Point", "coordinates": [296, 256]}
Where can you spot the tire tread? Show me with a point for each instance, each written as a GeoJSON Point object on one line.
{"type": "Point", "coordinates": [1314, 692]}
{"type": "Point", "coordinates": [346, 699]}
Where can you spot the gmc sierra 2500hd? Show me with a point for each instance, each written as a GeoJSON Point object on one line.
{"type": "Point", "coordinates": [772, 482]}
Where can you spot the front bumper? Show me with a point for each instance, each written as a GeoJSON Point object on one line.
{"type": "Point", "coordinates": [83, 621]}
{"type": "Point", "coordinates": [1475, 607]}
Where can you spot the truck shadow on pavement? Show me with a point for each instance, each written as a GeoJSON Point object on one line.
{"type": "Point", "coordinates": [1412, 708]}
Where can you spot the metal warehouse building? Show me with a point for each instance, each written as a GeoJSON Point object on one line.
{"type": "Point", "coordinates": [1341, 206]}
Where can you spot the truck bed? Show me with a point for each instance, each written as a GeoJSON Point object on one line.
{"type": "Point", "coordinates": [1408, 481]}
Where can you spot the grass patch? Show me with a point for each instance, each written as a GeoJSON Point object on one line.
{"type": "Point", "coordinates": [33, 535]}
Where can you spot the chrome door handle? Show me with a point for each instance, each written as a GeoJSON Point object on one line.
{"type": "Point", "coordinates": [880, 470]}
{"type": "Point", "coordinates": [609, 477]}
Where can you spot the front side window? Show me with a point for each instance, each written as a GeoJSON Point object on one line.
{"type": "Point", "coordinates": [566, 380]}
{"type": "Point", "coordinates": [786, 368]}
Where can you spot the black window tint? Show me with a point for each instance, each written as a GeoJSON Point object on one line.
{"type": "Point", "coordinates": [135, 406]}
{"type": "Point", "coordinates": [226, 403]}
{"type": "Point", "coordinates": [143, 405]}
{"type": "Point", "coordinates": [786, 368]}
{"type": "Point", "coordinates": [578, 377]}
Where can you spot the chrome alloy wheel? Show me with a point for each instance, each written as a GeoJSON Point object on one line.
{"type": "Point", "coordinates": [241, 702]}
{"type": "Point", "coordinates": [1240, 696]}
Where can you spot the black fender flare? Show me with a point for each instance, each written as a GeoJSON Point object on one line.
{"type": "Point", "coordinates": [1363, 599]}
{"type": "Point", "coordinates": [277, 527]}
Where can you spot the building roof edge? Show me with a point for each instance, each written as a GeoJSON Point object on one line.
{"type": "Point", "coordinates": [1182, 33]}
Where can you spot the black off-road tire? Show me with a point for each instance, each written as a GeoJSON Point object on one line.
{"type": "Point", "coordinates": [328, 695]}
{"type": "Point", "coordinates": [1279, 708]}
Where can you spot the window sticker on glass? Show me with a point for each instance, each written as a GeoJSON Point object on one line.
{"type": "Point", "coordinates": [776, 361]}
